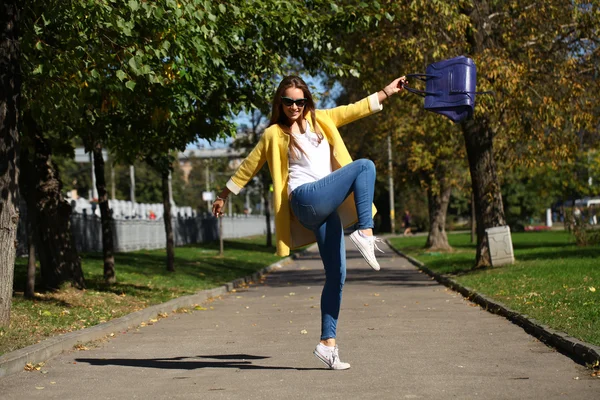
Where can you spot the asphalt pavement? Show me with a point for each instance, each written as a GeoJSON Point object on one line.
{"type": "Point", "coordinates": [405, 335]}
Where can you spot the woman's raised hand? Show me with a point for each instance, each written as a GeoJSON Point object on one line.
{"type": "Point", "coordinates": [217, 207]}
{"type": "Point", "coordinates": [396, 86]}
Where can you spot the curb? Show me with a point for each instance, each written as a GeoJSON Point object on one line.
{"type": "Point", "coordinates": [581, 352]}
{"type": "Point", "coordinates": [15, 361]}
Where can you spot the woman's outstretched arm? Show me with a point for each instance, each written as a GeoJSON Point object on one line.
{"type": "Point", "coordinates": [395, 87]}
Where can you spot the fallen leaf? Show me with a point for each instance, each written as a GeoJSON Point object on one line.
{"type": "Point", "coordinates": [39, 387]}
{"type": "Point", "coordinates": [303, 332]}
{"type": "Point", "coordinates": [592, 289]}
{"type": "Point", "coordinates": [200, 308]}
{"type": "Point", "coordinates": [31, 367]}
{"type": "Point", "coordinates": [292, 294]}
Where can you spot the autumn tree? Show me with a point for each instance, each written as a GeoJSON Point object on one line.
{"type": "Point", "coordinates": [538, 58]}
{"type": "Point", "coordinates": [10, 82]}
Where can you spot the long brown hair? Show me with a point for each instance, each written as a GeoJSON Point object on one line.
{"type": "Point", "coordinates": [279, 117]}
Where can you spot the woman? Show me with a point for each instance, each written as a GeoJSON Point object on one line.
{"type": "Point", "coordinates": [317, 189]}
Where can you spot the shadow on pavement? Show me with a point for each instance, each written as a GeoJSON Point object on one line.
{"type": "Point", "coordinates": [390, 276]}
{"type": "Point", "coordinates": [178, 363]}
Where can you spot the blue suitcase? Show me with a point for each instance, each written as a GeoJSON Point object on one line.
{"type": "Point", "coordinates": [450, 87]}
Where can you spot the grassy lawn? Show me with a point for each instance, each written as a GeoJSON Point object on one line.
{"type": "Point", "coordinates": [142, 280]}
{"type": "Point", "coordinates": [553, 281]}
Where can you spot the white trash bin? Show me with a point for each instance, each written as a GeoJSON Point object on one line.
{"type": "Point", "coordinates": [500, 244]}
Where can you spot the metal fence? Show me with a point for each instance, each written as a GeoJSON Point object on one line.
{"type": "Point", "coordinates": [138, 234]}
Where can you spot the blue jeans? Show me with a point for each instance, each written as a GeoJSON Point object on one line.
{"type": "Point", "coordinates": [315, 206]}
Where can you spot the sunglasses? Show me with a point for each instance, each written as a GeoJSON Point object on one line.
{"type": "Point", "coordinates": [290, 102]}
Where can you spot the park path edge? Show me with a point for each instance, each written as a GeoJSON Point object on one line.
{"type": "Point", "coordinates": [15, 361]}
{"type": "Point", "coordinates": [581, 352]}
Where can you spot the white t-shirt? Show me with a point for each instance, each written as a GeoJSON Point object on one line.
{"type": "Point", "coordinates": [313, 165]}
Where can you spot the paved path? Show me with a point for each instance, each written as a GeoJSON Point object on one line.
{"type": "Point", "coordinates": [406, 337]}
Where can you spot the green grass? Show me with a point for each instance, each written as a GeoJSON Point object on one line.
{"type": "Point", "coordinates": [553, 281]}
{"type": "Point", "coordinates": [142, 280]}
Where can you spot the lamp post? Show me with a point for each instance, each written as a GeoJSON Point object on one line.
{"type": "Point", "coordinates": [391, 185]}
{"type": "Point", "coordinates": [132, 183]}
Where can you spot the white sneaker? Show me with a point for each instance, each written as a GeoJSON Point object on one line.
{"type": "Point", "coordinates": [367, 245]}
{"type": "Point", "coordinates": [330, 357]}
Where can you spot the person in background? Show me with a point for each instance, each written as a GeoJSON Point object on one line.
{"type": "Point", "coordinates": [317, 189]}
{"type": "Point", "coordinates": [406, 223]}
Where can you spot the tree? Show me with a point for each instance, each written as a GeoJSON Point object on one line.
{"type": "Point", "coordinates": [10, 90]}
{"type": "Point", "coordinates": [522, 51]}
{"type": "Point", "coordinates": [47, 87]}
{"type": "Point", "coordinates": [28, 191]}
{"type": "Point", "coordinates": [137, 68]}
{"type": "Point", "coordinates": [108, 247]}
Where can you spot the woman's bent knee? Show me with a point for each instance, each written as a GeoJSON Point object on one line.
{"type": "Point", "coordinates": [365, 163]}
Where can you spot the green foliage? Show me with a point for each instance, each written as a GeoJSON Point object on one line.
{"type": "Point", "coordinates": [581, 227]}
{"type": "Point", "coordinates": [145, 78]}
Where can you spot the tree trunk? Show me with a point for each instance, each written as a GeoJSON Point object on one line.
{"type": "Point", "coordinates": [168, 224]}
{"type": "Point", "coordinates": [108, 248]}
{"type": "Point", "coordinates": [59, 259]}
{"type": "Point", "coordinates": [473, 217]}
{"type": "Point", "coordinates": [489, 210]}
{"type": "Point", "coordinates": [438, 208]}
{"type": "Point", "coordinates": [28, 182]}
{"type": "Point", "coordinates": [30, 283]}
{"type": "Point", "coordinates": [265, 193]}
{"type": "Point", "coordinates": [478, 137]}
{"type": "Point", "coordinates": [10, 92]}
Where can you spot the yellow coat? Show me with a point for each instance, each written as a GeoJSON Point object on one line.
{"type": "Point", "coordinates": [273, 148]}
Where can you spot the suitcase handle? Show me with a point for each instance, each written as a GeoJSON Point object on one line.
{"type": "Point", "coordinates": [420, 92]}
{"type": "Point", "coordinates": [421, 77]}
{"type": "Point", "coordinates": [424, 77]}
